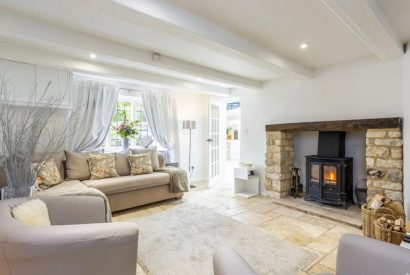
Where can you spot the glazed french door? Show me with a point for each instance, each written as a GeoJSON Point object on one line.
{"type": "Point", "coordinates": [214, 143]}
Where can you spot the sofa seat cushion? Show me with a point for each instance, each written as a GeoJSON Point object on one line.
{"type": "Point", "coordinates": [128, 183]}
{"type": "Point", "coordinates": [66, 186]}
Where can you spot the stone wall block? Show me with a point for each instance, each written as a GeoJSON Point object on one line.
{"type": "Point", "coordinates": [371, 192]}
{"type": "Point", "coordinates": [389, 142]}
{"type": "Point", "coordinates": [395, 134]}
{"type": "Point", "coordinates": [389, 163]}
{"type": "Point", "coordinates": [369, 141]}
{"type": "Point", "coordinates": [280, 185]}
{"type": "Point", "coordinates": [268, 184]}
{"type": "Point", "coordinates": [376, 133]}
{"type": "Point", "coordinates": [369, 162]}
{"type": "Point", "coordinates": [275, 176]}
{"type": "Point", "coordinates": [276, 148]}
{"type": "Point", "coordinates": [276, 135]}
{"type": "Point", "coordinates": [283, 142]}
{"type": "Point", "coordinates": [397, 153]}
{"type": "Point", "coordinates": [397, 186]}
{"type": "Point", "coordinates": [375, 151]}
{"type": "Point", "coordinates": [394, 175]}
{"type": "Point", "coordinates": [394, 195]}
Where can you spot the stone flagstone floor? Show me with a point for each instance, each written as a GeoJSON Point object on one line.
{"type": "Point", "coordinates": [308, 230]}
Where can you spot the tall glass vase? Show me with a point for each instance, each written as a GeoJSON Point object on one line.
{"type": "Point", "coordinates": [18, 171]}
{"type": "Point", "coordinates": [126, 143]}
{"type": "Point", "coordinates": [11, 193]}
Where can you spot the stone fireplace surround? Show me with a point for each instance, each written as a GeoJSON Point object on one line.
{"type": "Point", "coordinates": [384, 154]}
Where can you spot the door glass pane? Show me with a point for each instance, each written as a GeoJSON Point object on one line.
{"type": "Point", "coordinates": [330, 174]}
{"type": "Point", "coordinates": [314, 173]}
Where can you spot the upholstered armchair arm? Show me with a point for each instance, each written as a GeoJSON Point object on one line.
{"type": "Point", "coordinates": [365, 256]}
{"type": "Point", "coordinates": [64, 210]}
{"type": "Point", "coordinates": [228, 262]}
{"type": "Point", "coordinates": [102, 249]}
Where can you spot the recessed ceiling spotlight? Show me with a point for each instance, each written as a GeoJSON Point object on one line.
{"type": "Point", "coordinates": [198, 79]}
{"type": "Point", "coordinates": [304, 46]}
{"type": "Point", "coordinates": [93, 56]}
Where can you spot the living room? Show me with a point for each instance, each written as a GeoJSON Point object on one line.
{"type": "Point", "coordinates": [204, 137]}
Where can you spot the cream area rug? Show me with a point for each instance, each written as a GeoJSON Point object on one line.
{"type": "Point", "coordinates": [183, 240]}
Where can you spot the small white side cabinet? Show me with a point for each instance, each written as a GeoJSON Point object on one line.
{"type": "Point", "coordinates": [246, 185]}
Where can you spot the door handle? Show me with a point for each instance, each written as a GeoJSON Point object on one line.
{"type": "Point", "coordinates": [209, 140]}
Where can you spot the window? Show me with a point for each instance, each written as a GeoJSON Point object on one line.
{"type": "Point", "coordinates": [128, 109]}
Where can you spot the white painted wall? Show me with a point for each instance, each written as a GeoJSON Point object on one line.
{"type": "Point", "coordinates": [406, 129]}
{"type": "Point", "coordinates": [362, 89]}
{"type": "Point", "coordinates": [193, 106]}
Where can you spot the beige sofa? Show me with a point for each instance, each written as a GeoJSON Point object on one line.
{"type": "Point", "coordinates": [123, 192]}
{"type": "Point", "coordinates": [79, 241]}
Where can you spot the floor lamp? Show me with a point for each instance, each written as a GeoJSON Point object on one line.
{"type": "Point", "coordinates": [189, 125]}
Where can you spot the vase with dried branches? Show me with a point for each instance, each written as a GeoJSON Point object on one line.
{"type": "Point", "coordinates": [28, 131]}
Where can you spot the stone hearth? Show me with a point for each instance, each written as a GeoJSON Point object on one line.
{"type": "Point", "coordinates": [384, 154]}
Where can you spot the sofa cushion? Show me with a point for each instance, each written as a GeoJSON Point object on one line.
{"type": "Point", "coordinates": [121, 164]}
{"type": "Point", "coordinates": [102, 166]}
{"type": "Point", "coordinates": [77, 165]}
{"type": "Point", "coordinates": [152, 151]}
{"type": "Point", "coordinates": [128, 183]}
{"type": "Point", "coordinates": [66, 186]}
{"type": "Point", "coordinates": [48, 174]}
{"type": "Point", "coordinates": [140, 164]}
{"type": "Point", "coordinates": [32, 213]}
{"type": "Point", "coordinates": [58, 157]}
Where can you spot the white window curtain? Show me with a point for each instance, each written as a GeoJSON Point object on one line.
{"type": "Point", "coordinates": [94, 103]}
{"type": "Point", "coordinates": [160, 111]}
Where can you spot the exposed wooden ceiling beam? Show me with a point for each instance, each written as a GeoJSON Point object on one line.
{"type": "Point", "coordinates": [38, 57]}
{"type": "Point", "coordinates": [195, 29]}
{"type": "Point", "coordinates": [18, 27]}
{"type": "Point", "coordinates": [365, 19]}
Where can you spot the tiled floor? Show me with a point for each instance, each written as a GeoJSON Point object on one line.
{"type": "Point", "coordinates": [279, 218]}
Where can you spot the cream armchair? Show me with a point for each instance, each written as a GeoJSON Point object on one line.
{"type": "Point", "coordinates": [78, 242]}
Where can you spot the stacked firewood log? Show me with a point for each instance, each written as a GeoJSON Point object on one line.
{"type": "Point", "coordinates": [387, 222]}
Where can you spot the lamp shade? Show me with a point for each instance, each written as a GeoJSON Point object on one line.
{"type": "Point", "coordinates": [189, 124]}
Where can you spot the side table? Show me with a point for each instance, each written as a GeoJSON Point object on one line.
{"type": "Point", "coordinates": [246, 182]}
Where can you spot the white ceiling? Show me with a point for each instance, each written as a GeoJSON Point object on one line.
{"type": "Point", "coordinates": [220, 42]}
{"type": "Point", "coordinates": [397, 13]}
{"type": "Point", "coordinates": [282, 25]}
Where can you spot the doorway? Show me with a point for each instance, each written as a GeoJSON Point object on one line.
{"type": "Point", "coordinates": [232, 138]}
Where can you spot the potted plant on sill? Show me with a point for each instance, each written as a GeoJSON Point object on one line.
{"type": "Point", "coordinates": [127, 130]}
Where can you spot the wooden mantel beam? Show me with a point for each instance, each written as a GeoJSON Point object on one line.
{"type": "Point", "coordinates": [339, 125]}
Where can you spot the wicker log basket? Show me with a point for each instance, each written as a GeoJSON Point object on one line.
{"type": "Point", "coordinates": [387, 234]}
{"type": "Point", "coordinates": [370, 217]}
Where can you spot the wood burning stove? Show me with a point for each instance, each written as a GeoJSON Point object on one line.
{"type": "Point", "coordinates": [329, 175]}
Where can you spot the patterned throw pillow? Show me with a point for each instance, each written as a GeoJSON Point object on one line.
{"type": "Point", "coordinates": [48, 175]}
{"type": "Point", "coordinates": [140, 164]}
{"type": "Point", "coordinates": [102, 166]}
